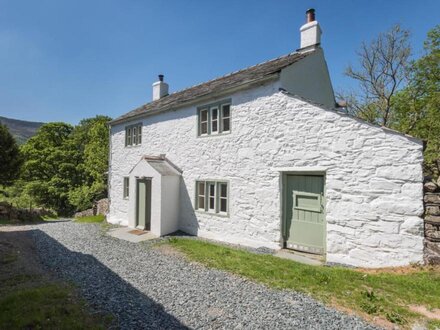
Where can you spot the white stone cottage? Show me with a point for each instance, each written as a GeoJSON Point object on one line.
{"type": "Point", "coordinates": [261, 157]}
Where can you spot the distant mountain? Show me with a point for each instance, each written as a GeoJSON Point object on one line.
{"type": "Point", "coordinates": [22, 130]}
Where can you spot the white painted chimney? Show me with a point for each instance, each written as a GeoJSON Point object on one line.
{"type": "Point", "coordinates": [310, 32]}
{"type": "Point", "coordinates": [160, 89]}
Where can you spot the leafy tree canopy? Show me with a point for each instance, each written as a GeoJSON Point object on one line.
{"type": "Point", "coordinates": [10, 159]}
{"type": "Point", "coordinates": [65, 167]}
{"type": "Point", "coordinates": [417, 106]}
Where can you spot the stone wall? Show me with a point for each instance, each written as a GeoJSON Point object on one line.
{"type": "Point", "coordinates": [374, 180]}
{"type": "Point", "coordinates": [99, 207]}
{"type": "Point", "coordinates": [432, 222]}
{"type": "Point", "coordinates": [7, 211]}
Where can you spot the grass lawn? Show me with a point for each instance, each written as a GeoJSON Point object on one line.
{"type": "Point", "coordinates": [4, 221]}
{"type": "Point", "coordinates": [46, 306]}
{"type": "Point", "coordinates": [382, 296]}
{"type": "Point", "coordinates": [91, 219]}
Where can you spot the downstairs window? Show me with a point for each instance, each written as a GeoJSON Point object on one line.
{"type": "Point", "coordinates": [212, 197]}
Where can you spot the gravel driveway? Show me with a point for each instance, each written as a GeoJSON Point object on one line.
{"type": "Point", "coordinates": [148, 288]}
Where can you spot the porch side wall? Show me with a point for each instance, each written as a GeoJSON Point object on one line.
{"type": "Point", "coordinates": [374, 176]}
{"type": "Point", "coordinates": [170, 204]}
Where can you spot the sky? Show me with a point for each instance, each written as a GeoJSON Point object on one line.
{"type": "Point", "coordinates": [68, 60]}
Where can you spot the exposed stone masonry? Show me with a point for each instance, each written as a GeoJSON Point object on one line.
{"type": "Point", "coordinates": [432, 222]}
{"type": "Point", "coordinates": [99, 207]}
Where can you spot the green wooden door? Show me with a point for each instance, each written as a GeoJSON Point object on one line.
{"type": "Point", "coordinates": [143, 204]}
{"type": "Point", "coordinates": [305, 221]}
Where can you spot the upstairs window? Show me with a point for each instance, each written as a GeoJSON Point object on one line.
{"type": "Point", "coordinates": [212, 197]}
{"type": "Point", "coordinates": [133, 135]}
{"type": "Point", "coordinates": [214, 118]}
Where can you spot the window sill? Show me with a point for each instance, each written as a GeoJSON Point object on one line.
{"type": "Point", "coordinates": [221, 215]}
{"type": "Point", "coordinates": [213, 135]}
{"type": "Point", "coordinates": [133, 146]}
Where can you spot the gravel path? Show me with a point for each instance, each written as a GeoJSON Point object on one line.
{"type": "Point", "coordinates": [148, 288]}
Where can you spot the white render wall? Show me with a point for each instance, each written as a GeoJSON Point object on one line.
{"type": "Point", "coordinates": [373, 176]}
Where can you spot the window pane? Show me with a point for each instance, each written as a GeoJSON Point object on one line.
{"type": "Point", "coordinates": [201, 188]}
{"type": "Point", "coordinates": [204, 128]}
{"type": "Point", "coordinates": [211, 191]}
{"type": "Point", "coordinates": [140, 134]}
{"type": "Point", "coordinates": [129, 137]}
{"type": "Point", "coordinates": [134, 135]}
{"type": "Point", "coordinates": [204, 115]}
{"type": "Point", "coordinates": [225, 124]}
{"type": "Point", "coordinates": [226, 109]}
{"type": "Point", "coordinates": [214, 126]}
{"type": "Point", "coordinates": [214, 114]}
{"type": "Point", "coordinates": [223, 205]}
{"type": "Point", "coordinates": [201, 203]}
{"type": "Point", "coordinates": [223, 190]}
{"type": "Point", "coordinates": [126, 187]}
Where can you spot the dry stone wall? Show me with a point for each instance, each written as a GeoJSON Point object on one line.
{"type": "Point", "coordinates": [432, 222]}
{"type": "Point", "coordinates": [99, 207]}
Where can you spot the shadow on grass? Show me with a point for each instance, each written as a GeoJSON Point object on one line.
{"type": "Point", "coordinates": [103, 289]}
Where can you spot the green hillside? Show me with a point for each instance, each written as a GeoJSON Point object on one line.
{"type": "Point", "coordinates": [22, 130]}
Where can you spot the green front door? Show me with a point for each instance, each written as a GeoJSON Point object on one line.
{"type": "Point", "coordinates": [304, 209]}
{"type": "Point", "coordinates": [143, 204]}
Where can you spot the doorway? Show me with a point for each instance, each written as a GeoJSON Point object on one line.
{"type": "Point", "coordinates": [143, 203]}
{"type": "Point", "coordinates": [304, 210]}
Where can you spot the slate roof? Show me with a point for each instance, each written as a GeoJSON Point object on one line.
{"type": "Point", "coordinates": [232, 80]}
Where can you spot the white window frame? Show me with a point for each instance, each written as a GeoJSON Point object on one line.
{"type": "Point", "coordinates": [126, 187]}
{"type": "Point", "coordinates": [220, 197]}
{"type": "Point", "coordinates": [211, 110]}
{"type": "Point", "coordinates": [202, 122]}
{"type": "Point", "coordinates": [223, 118]}
{"type": "Point", "coordinates": [214, 197]}
{"type": "Point", "coordinates": [134, 137]}
{"type": "Point", "coordinates": [198, 195]}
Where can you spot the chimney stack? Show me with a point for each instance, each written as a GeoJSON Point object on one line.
{"type": "Point", "coordinates": [160, 89]}
{"type": "Point", "coordinates": [310, 32]}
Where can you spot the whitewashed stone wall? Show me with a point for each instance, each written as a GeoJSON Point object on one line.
{"type": "Point", "coordinates": [373, 176]}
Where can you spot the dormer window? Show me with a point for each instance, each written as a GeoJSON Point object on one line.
{"type": "Point", "coordinates": [133, 134]}
{"type": "Point", "coordinates": [214, 118]}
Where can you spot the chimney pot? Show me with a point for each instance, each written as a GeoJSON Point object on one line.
{"type": "Point", "coordinates": [160, 77]}
{"type": "Point", "coordinates": [310, 15]}
{"type": "Point", "coordinates": [310, 32]}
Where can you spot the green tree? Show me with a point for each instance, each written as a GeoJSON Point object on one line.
{"type": "Point", "coordinates": [50, 169]}
{"type": "Point", "coordinates": [92, 137]}
{"type": "Point", "coordinates": [417, 107]}
{"type": "Point", "coordinates": [10, 159]}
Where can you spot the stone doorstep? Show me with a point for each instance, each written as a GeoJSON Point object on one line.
{"type": "Point", "coordinates": [304, 258]}
{"type": "Point", "coordinates": [124, 233]}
